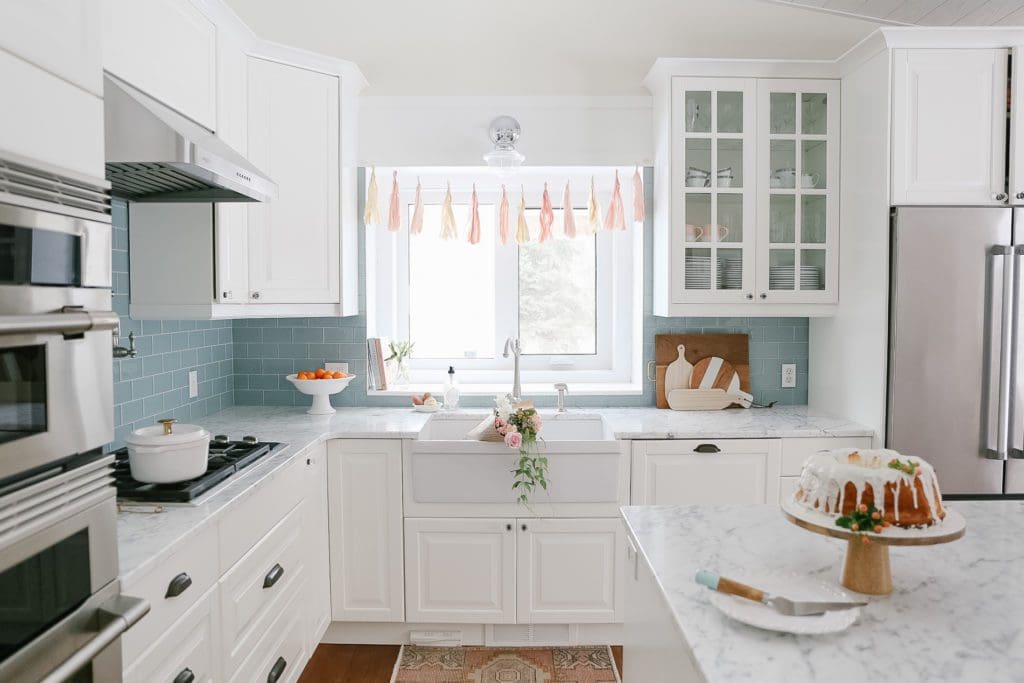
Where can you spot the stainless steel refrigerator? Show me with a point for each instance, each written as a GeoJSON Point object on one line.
{"type": "Point", "coordinates": [956, 345]}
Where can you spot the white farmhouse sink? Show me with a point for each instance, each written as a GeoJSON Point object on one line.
{"type": "Point", "coordinates": [584, 462]}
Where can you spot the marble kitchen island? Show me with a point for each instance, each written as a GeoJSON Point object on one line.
{"type": "Point", "coordinates": [956, 612]}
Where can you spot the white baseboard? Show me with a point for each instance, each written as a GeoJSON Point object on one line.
{"type": "Point", "coordinates": [369, 633]}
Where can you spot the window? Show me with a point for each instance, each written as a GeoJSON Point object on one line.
{"type": "Point", "coordinates": [574, 303]}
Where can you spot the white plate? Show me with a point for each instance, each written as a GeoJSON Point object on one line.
{"type": "Point", "coordinates": [794, 587]}
{"type": "Point", "coordinates": [427, 409]}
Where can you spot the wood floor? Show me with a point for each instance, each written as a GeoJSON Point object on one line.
{"type": "Point", "coordinates": [366, 663]}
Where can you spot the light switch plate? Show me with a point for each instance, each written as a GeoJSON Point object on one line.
{"type": "Point", "coordinates": [193, 383]}
{"type": "Point", "coordinates": [788, 375]}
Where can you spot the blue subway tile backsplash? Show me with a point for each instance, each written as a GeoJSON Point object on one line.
{"type": "Point", "coordinates": [154, 385]}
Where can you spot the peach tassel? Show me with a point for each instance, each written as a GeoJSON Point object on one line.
{"type": "Point", "coordinates": [394, 215]}
{"type": "Point", "coordinates": [638, 197]}
{"type": "Point", "coordinates": [448, 229]}
{"type": "Point", "coordinates": [522, 229]}
{"type": "Point", "coordinates": [568, 218]}
{"type": "Point", "coordinates": [503, 216]}
{"type": "Point", "coordinates": [416, 224]}
{"type": "Point", "coordinates": [593, 211]}
{"type": "Point", "coordinates": [474, 219]}
{"type": "Point", "coordinates": [615, 218]}
{"type": "Point", "coordinates": [547, 216]}
{"type": "Point", "coordinates": [371, 215]}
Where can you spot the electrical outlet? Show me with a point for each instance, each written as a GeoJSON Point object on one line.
{"type": "Point", "coordinates": [788, 375]}
{"type": "Point", "coordinates": [193, 383]}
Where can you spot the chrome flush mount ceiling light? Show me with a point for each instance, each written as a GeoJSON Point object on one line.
{"type": "Point", "coordinates": [504, 132]}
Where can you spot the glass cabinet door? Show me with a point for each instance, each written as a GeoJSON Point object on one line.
{"type": "Point", "coordinates": [798, 169]}
{"type": "Point", "coordinates": [714, 207]}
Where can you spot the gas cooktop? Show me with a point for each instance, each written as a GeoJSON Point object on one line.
{"type": "Point", "coordinates": [226, 458]}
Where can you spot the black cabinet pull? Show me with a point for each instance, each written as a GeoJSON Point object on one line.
{"type": "Point", "coordinates": [186, 676]}
{"type": "Point", "coordinates": [508, 527]}
{"type": "Point", "coordinates": [178, 585]}
{"type": "Point", "coordinates": [707, 448]}
{"type": "Point", "coordinates": [273, 576]}
{"type": "Point", "coordinates": [524, 527]}
{"type": "Point", "coordinates": [277, 670]}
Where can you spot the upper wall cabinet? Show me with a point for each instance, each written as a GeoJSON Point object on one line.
{"type": "Point", "coordinates": [167, 49]}
{"type": "Point", "coordinates": [949, 127]}
{"type": "Point", "coordinates": [746, 196]}
{"type": "Point", "coordinates": [294, 254]}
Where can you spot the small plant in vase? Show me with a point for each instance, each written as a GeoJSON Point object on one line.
{"type": "Point", "coordinates": [401, 352]}
{"type": "Point", "coordinates": [519, 425]}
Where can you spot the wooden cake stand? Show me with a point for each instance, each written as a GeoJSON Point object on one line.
{"type": "Point", "coordinates": [866, 569]}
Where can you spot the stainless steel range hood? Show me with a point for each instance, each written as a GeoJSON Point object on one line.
{"type": "Point", "coordinates": [154, 154]}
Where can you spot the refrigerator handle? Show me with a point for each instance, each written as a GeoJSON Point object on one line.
{"type": "Point", "coordinates": [997, 427]}
{"type": "Point", "coordinates": [1015, 447]}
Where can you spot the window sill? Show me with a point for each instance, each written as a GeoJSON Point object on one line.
{"type": "Point", "coordinates": [580, 389]}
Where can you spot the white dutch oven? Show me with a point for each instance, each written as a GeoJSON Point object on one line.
{"type": "Point", "coordinates": [166, 454]}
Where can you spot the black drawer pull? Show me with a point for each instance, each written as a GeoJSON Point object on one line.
{"type": "Point", "coordinates": [707, 448]}
{"type": "Point", "coordinates": [178, 585]}
{"type": "Point", "coordinates": [186, 676]}
{"type": "Point", "coordinates": [277, 670]}
{"type": "Point", "coordinates": [273, 576]}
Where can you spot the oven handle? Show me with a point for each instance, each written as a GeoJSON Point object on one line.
{"type": "Point", "coordinates": [71, 320]}
{"type": "Point", "coordinates": [120, 613]}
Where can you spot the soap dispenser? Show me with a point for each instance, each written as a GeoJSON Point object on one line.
{"type": "Point", "coordinates": [451, 390]}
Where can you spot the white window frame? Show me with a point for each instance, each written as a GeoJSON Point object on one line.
{"type": "Point", "coordinates": [616, 367]}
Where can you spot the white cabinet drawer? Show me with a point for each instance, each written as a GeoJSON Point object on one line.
{"type": "Point", "coordinates": [795, 451]}
{"type": "Point", "coordinates": [254, 590]}
{"type": "Point", "coordinates": [686, 471]}
{"type": "Point", "coordinates": [251, 520]}
{"type": "Point", "coordinates": [190, 571]}
{"type": "Point", "coordinates": [191, 645]}
{"type": "Point", "coordinates": [283, 646]}
{"type": "Point", "coordinates": [49, 120]}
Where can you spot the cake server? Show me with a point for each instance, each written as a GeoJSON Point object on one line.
{"type": "Point", "coordinates": [793, 608]}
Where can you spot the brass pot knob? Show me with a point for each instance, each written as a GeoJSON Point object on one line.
{"type": "Point", "coordinates": [167, 424]}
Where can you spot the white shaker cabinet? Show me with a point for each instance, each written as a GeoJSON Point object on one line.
{"type": "Point", "coordinates": [167, 49]}
{"type": "Point", "coordinates": [570, 571]}
{"type": "Point", "coordinates": [293, 136]}
{"type": "Point", "coordinates": [686, 471]}
{"type": "Point", "coordinates": [461, 570]}
{"type": "Point", "coordinates": [949, 126]}
{"type": "Point", "coordinates": [317, 543]}
{"type": "Point", "coordinates": [365, 512]}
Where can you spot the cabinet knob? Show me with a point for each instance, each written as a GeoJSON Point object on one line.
{"type": "Point", "coordinates": [178, 585]}
{"type": "Point", "coordinates": [523, 527]}
{"type": "Point", "coordinates": [255, 295]}
{"type": "Point", "coordinates": [763, 295]}
{"type": "Point", "coordinates": [749, 296]}
{"type": "Point", "coordinates": [225, 294]}
{"type": "Point", "coordinates": [273, 576]}
{"type": "Point", "coordinates": [508, 527]}
{"type": "Point", "coordinates": [185, 676]}
{"type": "Point", "coordinates": [275, 672]}
{"type": "Point", "coordinates": [1000, 197]}
{"type": "Point", "coordinates": [1020, 195]}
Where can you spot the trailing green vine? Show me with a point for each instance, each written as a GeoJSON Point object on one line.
{"type": "Point", "coordinates": [519, 426]}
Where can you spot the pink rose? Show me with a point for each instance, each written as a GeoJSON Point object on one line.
{"type": "Point", "coordinates": [498, 423]}
{"type": "Point", "coordinates": [513, 439]}
{"type": "Point", "coordinates": [536, 421]}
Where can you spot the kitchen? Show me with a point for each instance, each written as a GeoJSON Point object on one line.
{"type": "Point", "coordinates": [662, 292]}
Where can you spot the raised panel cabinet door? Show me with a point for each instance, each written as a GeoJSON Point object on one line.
{"type": "Point", "coordinates": [293, 133]}
{"type": "Point", "coordinates": [460, 571]}
{"type": "Point", "coordinates": [570, 571]}
{"type": "Point", "coordinates": [706, 471]}
{"type": "Point", "coordinates": [167, 49]}
{"type": "Point", "coordinates": [365, 521]}
{"type": "Point", "coordinates": [318, 587]}
{"type": "Point", "coordinates": [949, 126]}
{"type": "Point", "coordinates": [57, 35]}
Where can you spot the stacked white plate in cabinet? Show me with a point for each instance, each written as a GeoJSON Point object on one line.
{"type": "Point", "coordinates": [730, 273]}
{"type": "Point", "coordinates": [784, 277]}
{"type": "Point", "coordinates": [698, 271]}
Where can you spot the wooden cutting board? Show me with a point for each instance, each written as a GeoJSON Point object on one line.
{"type": "Point", "coordinates": [731, 347]}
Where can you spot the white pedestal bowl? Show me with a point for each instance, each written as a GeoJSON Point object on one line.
{"type": "Point", "coordinates": [321, 390]}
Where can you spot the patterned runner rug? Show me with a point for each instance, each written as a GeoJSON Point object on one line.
{"type": "Point", "coordinates": [418, 664]}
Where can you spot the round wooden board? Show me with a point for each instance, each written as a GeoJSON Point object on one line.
{"type": "Point", "coordinates": [724, 378]}
{"type": "Point", "coordinates": [950, 529]}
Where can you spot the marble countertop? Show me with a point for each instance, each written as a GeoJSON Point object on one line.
{"type": "Point", "coordinates": [145, 536]}
{"type": "Point", "coordinates": [956, 613]}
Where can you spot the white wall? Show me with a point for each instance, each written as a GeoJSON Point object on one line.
{"type": "Point", "coordinates": [848, 353]}
{"type": "Point", "coordinates": [557, 131]}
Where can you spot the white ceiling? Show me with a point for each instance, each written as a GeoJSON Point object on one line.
{"type": "Point", "coordinates": [542, 47]}
{"type": "Point", "coordinates": [927, 12]}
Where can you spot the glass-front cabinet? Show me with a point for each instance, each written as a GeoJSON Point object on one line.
{"type": "Point", "coordinates": [753, 191]}
{"type": "Point", "coordinates": [713, 168]}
